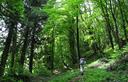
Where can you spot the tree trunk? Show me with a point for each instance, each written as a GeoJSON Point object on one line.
{"type": "Point", "coordinates": [78, 46]}
{"type": "Point", "coordinates": [72, 45]}
{"type": "Point", "coordinates": [108, 26]}
{"type": "Point", "coordinates": [123, 20]}
{"type": "Point", "coordinates": [53, 47]}
{"type": "Point", "coordinates": [24, 48]}
{"type": "Point", "coordinates": [32, 49]}
{"type": "Point", "coordinates": [6, 50]}
{"type": "Point", "coordinates": [14, 49]}
{"type": "Point", "coordinates": [116, 26]}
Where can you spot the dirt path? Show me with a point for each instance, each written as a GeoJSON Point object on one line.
{"type": "Point", "coordinates": [77, 79]}
{"type": "Point", "coordinates": [40, 79]}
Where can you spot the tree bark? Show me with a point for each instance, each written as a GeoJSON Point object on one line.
{"type": "Point", "coordinates": [108, 25]}
{"type": "Point", "coordinates": [123, 20]}
{"type": "Point", "coordinates": [32, 50]}
{"type": "Point", "coordinates": [116, 26]}
{"type": "Point", "coordinates": [78, 46]}
{"type": "Point", "coordinates": [14, 49]}
{"type": "Point", "coordinates": [53, 48]}
{"type": "Point", "coordinates": [24, 49]}
{"type": "Point", "coordinates": [6, 50]}
{"type": "Point", "coordinates": [72, 45]}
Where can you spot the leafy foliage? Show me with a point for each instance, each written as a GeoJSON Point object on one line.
{"type": "Point", "coordinates": [40, 36]}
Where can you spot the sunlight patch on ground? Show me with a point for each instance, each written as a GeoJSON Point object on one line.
{"type": "Point", "coordinates": [101, 63]}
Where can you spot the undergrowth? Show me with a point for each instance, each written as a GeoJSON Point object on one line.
{"type": "Point", "coordinates": [65, 77]}
{"type": "Point", "coordinates": [90, 75]}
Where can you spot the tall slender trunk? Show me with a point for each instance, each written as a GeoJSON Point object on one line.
{"type": "Point", "coordinates": [78, 46]}
{"type": "Point", "coordinates": [6, 49]}
{"type": "Point", "coordinates": [24, 49]}
{"type": "Point", "coordinates": [14, 49]}
{"type": "Point", "coordinates": [53, 47]}
{"type": "Point", "coordinates": [32, 49]}
{"type": "Point", "coordinates": [116, 26]}
{"type": "Point", "coordinates": [123, 20]}
{"type": "Point", "coordinates": [72, 45]}
{"type": "Point", "coordinates": [108, 26]}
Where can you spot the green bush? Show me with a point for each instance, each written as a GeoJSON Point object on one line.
{"type": "Point", "coordinates": [41, 71]}
{"type": "Point", "coordinates": [7, 79]}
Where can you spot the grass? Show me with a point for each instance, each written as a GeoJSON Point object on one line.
{"type": "Point", "coordinates": [90, 75]}
{"type": "Point", "coordinates": [65, 77]}
{"type": "Point", "coordinates": [95, 75]}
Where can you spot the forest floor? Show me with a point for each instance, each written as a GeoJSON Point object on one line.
{"type": "Point", "coordinates": [40, 79]}
{"type": "Point", "coordinates": [102, 70]}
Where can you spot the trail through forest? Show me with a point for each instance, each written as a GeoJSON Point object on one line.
{"type": "Point", "coordinates": [112, 66]}
{"type": "Point", "coordinates": [76, 79]}
{"type": "Point", "coordinates": [40, 79]}
{"type": "Point", "coordinates": [40, 36]}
